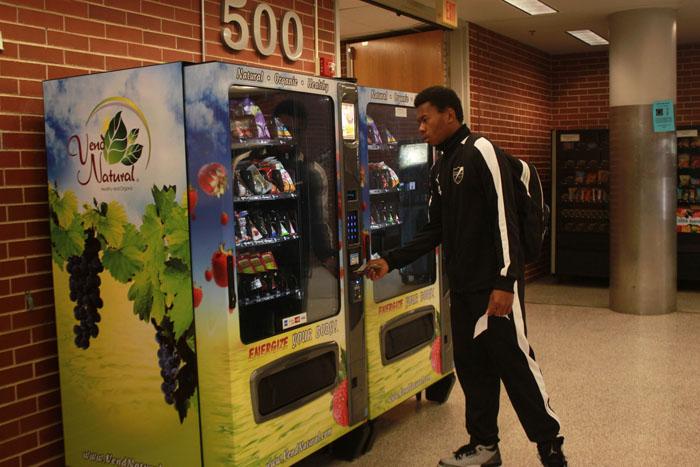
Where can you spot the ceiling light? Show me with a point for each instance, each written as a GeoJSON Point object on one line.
{"type": "Point", "coordinates": [365, 43]}
{"type": "Point", "coordinates": [532, 7]}
{"type": "Point", "coordinates": [589, 37]}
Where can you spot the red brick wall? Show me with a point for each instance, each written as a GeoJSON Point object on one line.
{"type": "Point", "coordinates": [518, 95]}
{"type": "Point", "coordinates": [511, 103]}
{"type": "Point", "coordinates": [580, 89]}
{"type": "Point", "coordinates": [688, 85]}
{"type": "Point", "coordinates": [58, 38]}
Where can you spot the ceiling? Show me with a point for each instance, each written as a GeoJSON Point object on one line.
{"type": "Point", "coordinates": [546, 32]}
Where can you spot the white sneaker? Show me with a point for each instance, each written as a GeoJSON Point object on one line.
{"type": "Point", "coordinates": [473, 455]}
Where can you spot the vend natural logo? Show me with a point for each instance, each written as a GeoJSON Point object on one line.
{"type": "Point", "coordinates": [110, 156]}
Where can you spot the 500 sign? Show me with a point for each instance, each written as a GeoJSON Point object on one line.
{"type": "Point", "coordinates": [290, 19]}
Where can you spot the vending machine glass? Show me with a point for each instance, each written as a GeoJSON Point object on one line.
{"type": "Point", "coordinates": [399, 167]}
{"type": "Point", "coordinates": [286, 230]}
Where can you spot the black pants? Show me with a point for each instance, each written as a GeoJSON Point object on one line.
{"type": "Point", "coordinates": [501, 353]}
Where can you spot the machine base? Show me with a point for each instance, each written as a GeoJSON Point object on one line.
{"type": "Point", "coordinates": [354, 444]}
{"type": "Point", "coordinates": [440, 390]}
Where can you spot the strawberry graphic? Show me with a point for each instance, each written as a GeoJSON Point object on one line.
{"type": "Point", "coordinates": [340, 403]}
{"type": "Point", "coordinates": [436, 355]}
{"type": "Point", "coordinates": [224, 218]}
{"type": "Point", "coordinates": [212, 179]}
{"type": "Point", "coordinates": [218, 266]}
{"type": "Point", "coordinates": [197, 295]}
{"type": "Point", "coordinates": [208, 275]}
{"type": "Point", "coordinates": [191, 201]}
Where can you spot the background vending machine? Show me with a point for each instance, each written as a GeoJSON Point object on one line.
{"type": "Point", "coordinates": [406, 313]}
{"type": "Point", "coordinates": [688, 195]}
{"type": "Point", "coordinates": [202, 224]}
{"type": "Point", "coordinates": [580, 207]}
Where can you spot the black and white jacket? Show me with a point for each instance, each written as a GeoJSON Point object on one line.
{"type": "Point", "coordinates": [473, 215]}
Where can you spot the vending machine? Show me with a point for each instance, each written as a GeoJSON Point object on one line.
{"type": "Point", "coordinates": [580, 203]}
{"type": "Point", "coordinates": [688, 197]}
{"type": "Point", "coordinates": [205, 220]}
{"type": "Point", "coordinates": [408, 339]}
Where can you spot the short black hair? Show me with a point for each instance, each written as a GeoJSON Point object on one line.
{"type": "Point", "coordinates": [442, 98]}
{"type": "Point", "coordinates": [292, 108]}
{"type": "Point", "coordinates": [295, 110]}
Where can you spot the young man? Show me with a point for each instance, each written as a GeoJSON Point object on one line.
{"type": "Point", "coordinates": [474, 216]}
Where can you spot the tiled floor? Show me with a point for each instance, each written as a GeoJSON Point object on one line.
{"type": "Point", "coordinates": [625, 388]}
{"type": "Point", "coordinates": [596, 293]}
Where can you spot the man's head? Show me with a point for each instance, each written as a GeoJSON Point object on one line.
{"type": "Point", "coordinates": [439, 114]}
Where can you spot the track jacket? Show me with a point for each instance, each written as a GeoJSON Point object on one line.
{"type": "Point", "coordinates": [473, 214]}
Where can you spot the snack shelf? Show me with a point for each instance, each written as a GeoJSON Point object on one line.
{"type": "Point", "coordinates": [381, 147]}
{"type": "Point", "coordinates": [383, 191]}
{"type": "Point", "coordinates": [256, 143]}
{"type": "Point", "coordinates": [295, 293]}
{"type": "Point", "coordinates": [267, 197]}
{"type": "Point", "coordinates": [384, 225]}
{"type": "Point", "coordinates": [267, 241]}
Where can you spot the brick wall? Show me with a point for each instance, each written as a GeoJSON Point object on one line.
{"type": "Point", "coordinates": [520, 94]}
{"type": "Point", "coordinates": [688, 85]}
{"type": "Point", "coordinates": [511, 103]}
{"type": "Point", "coordinates": [580, 89]}
{"type": "Point", "coordinates": [51, 39]}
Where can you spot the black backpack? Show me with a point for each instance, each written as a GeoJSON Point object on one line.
{"type": "Point", "coordinates": [533, 212]}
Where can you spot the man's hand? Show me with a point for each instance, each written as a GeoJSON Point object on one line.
{"type": "Point", "coordinates": [376, 269]}
{"type": "Point", "coordinates": [500, 303]}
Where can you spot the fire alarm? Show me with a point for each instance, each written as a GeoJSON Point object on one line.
{"type": "Point", "coordinates": [327, 67]}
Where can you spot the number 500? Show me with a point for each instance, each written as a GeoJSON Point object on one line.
{"type": "Point", "coordinates": [290, 19]}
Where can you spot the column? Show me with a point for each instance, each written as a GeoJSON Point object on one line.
{"type": "Point", "coordinates": [642, 163]}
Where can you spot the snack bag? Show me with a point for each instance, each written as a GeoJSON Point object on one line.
{"type": "Point", "coordinates": [282, 177]}
{"type": "Point", "coordinates": [250, 108]}
{"type": "Point", "coordinates": [257, 262]}
{"type": "Point", "coordinates": [268, 260]}
{"type": "Point", "coordinates": [255, 180]}
{"type": "Point", "coordinates": [393, 178]}
{"type": "Point", "coordinates": [281, 129]}
{"type": "Point", "coordinates": [242, 223]}
{"type": "Point", "coordinates": [244, 265]}
{"type": "Point", "coordinates": [373, 136]}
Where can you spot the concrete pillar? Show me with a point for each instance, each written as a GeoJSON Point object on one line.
{"type": "Point", "coordinates": [642, 163]}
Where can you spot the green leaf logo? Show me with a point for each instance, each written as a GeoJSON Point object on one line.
{"type": "Point", "coordinates": [120, 147]}
{"type": "Point", "coordinates": [115, 140]}
{"type": "Point", "coordinates": [133, 134]}
{"type": "Point", "coordinates": [133, 153]}
{"type": "Point", "coordinates": [119, 142]}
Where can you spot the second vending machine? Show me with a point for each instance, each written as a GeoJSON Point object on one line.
{"type": "Point", "coordinates": [408, 337]}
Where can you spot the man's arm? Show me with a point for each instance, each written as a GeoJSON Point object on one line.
{"type": "Point", "coordinates": [429, 236]}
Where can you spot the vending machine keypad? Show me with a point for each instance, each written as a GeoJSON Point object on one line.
{"type": "Point", "coordinates": [352, 228]}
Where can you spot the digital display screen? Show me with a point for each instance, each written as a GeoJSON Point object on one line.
{"type": "Point", "coordinates": [413, 154]}
{"type": "Point", "coordinates": [348, 113]}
